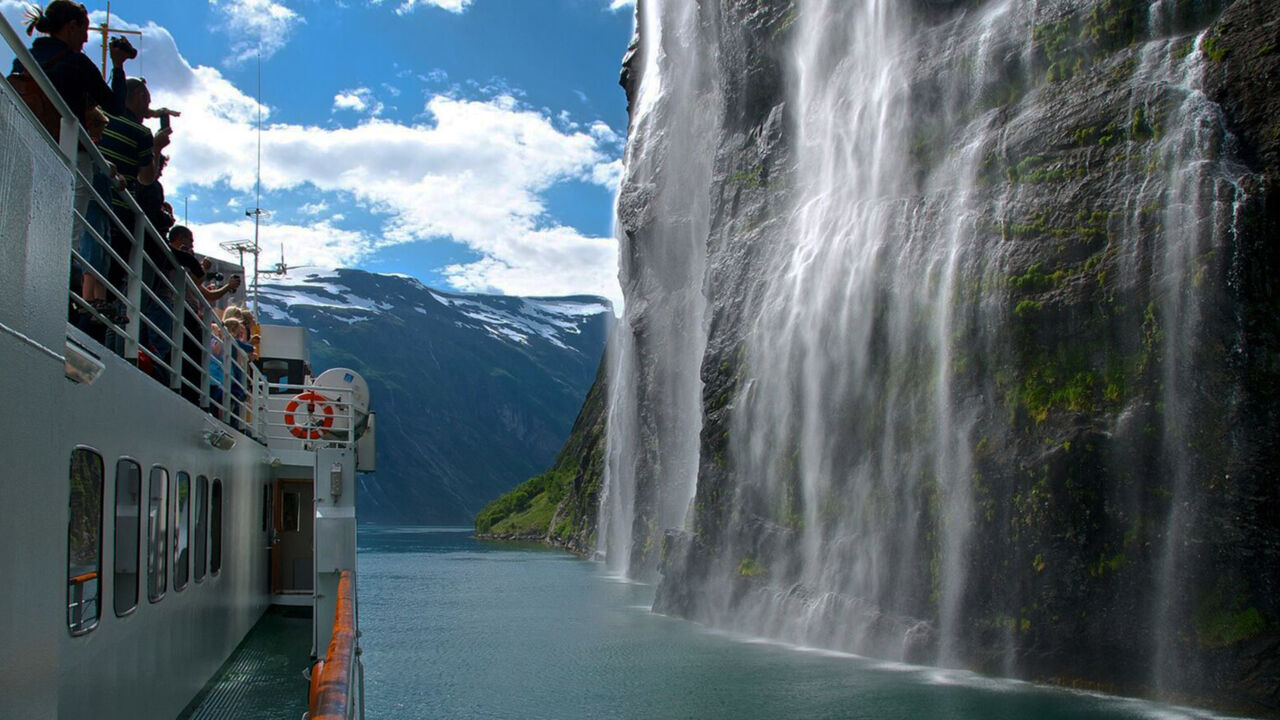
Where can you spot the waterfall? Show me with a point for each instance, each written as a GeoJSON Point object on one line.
{"type": "Point", "coordinates": [655, 413]}
{"type": "Point", "coordinates": [972, 406]}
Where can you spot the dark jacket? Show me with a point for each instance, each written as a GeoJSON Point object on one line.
{"type": "Point", "coordinates": [77, 79]}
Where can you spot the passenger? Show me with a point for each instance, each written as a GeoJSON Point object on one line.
{"type": "Point", "coordinates": [216, 376]}
{"type": "Point", "coordinates": [131, 147]}
{"type": "Point", "coordinates": [66, 27]}
{"type": "Point", "coordinates": [151, 199]}
{"type": "Point", "coordinates": [236, 330]}
{"type": "Point", "coordinates": [182, 243]}
{"type": "Point", "coordinates": [130, 144]}
{"type": "Point", "coordinates": [91, 249]}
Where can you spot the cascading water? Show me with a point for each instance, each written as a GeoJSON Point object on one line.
{"type": "Point", "coordinates": [655, 392]}
{"type": "Point", "coordinates": [970, 300]}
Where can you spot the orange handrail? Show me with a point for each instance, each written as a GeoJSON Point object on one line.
{"type": "Point", "coordinates": [84, 577]}
{"type": "Point", "coordinates": [331, 695]}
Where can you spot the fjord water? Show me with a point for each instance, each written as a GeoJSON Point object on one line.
{"type": "Point", "coordinates": [458, 628]}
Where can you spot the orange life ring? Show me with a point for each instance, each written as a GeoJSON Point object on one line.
{"type": "Point", "coordinates": [315, 426]}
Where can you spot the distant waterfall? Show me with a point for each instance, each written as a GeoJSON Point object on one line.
{"type": "Point", "coordinates": [655, 412]}
{"type": "Point", "coordinates": [984, 380]}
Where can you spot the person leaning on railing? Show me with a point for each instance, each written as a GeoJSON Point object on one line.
{"type": "Point", "coordinates": [65, 26]}
{"type": "Point", "coordinates": [182, 243]}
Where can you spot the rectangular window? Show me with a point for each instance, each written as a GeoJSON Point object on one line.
{"type": "Point", "coordinates": [181, 531]}
{"type": "Point", "coordinates": [128, 520]}
{"type": "Point", "coordinates": [158, 534]}
{"type": "Point", "coordinates": [201, 541]}
{"type": "Point", "coordinates": [215, 529]}
{"type": "Point", "coordinates": [84, 542]}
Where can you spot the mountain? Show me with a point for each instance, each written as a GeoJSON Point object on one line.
{"type": "Point", "coordinates": [474, 393]}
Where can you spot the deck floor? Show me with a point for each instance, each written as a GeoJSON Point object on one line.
{"type": "Point", "coordinates": [262, 680]}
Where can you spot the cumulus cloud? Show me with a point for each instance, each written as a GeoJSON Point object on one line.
{"type": "Point", "coordinates": [325, 245]}
{"type": "Point", "coordinates": [255, 26]}
{"type": "Point", "coordinates": [472, 170]}
{"type": "Point", "coordinates": [359, 99]}
{"type": "Point", "coordinates": [616, 5]}
{"type": "Point", "coordinates": [408, 6]}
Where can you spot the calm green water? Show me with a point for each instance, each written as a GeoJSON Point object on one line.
{"type": "Point", "coordinates": [457, 628]}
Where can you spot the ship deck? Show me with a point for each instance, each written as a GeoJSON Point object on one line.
{"type": "Point", "coordinates": [263, 678]}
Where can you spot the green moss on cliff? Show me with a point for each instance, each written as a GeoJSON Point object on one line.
{"type": "Point", "coordinates": [1224, 616]}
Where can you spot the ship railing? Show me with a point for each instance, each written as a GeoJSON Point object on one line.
{"type": "Point", "coordinates": [313, 415]}
{"type": "Point", "coordinates": [164, 326]}
{"type": "Point", "coordinates": [82, 602]}
{"type": "Point", "coordinates": [337, 679]}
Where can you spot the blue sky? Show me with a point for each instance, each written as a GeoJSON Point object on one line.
{"type": "Point", "coordinates": [474, 144]}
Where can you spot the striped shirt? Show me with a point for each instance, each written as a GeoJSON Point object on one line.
{"type": "Point", "coordinates": [127, 143]}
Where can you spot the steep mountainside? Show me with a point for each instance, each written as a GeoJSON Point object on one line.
{"type": "Point", "coordinates": [474, 393]}
{"type": "Point", "coordinates": [970, 309]}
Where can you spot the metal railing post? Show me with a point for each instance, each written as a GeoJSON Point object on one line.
{"type": "Point", "coordinates": [133, 292]}
{"type": "Point", "coordinates": [178, 278]}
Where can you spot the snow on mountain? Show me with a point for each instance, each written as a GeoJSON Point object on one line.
{"type": "Point", "coordinates": [503, 318]}
{"type": "Point", "coordinates": [475, 393]}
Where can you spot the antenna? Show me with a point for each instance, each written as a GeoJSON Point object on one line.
{"type": "Point", "coordinates": [256, 213]}
{"type": "Point", "coordinates": [242, 247]}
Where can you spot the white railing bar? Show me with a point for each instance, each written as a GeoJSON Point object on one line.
{"type": "Point", "coordinates": [81, 302]}
{"type": "Point", "coordinates": [143, 349]}
{"type": "Point", "coordinates": [97, 276]}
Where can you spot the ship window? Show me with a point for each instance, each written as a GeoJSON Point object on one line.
{"type": "Point", "coordinates": [84, 541]}
{"type": "Point", "coordinates": [128, 502]}
{"type": "Point", "coordinates": [201, 541]}
{"type": "Point", "coordinates": [215, 528]}
{"type": "Point", "coordinates": [290, 512]}
{"type": "Point", "coordinates": [181, 531]}
{"type": "Point", "coordinates": [158, 534]}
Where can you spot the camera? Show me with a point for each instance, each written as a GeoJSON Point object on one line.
{"type": "Point", "coordinates": [123, 43]}
{"type": "Point", "coordinates": [216, 277]}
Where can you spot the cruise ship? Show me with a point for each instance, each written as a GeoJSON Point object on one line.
{"type": "Point", "coordinates": [177, 527]}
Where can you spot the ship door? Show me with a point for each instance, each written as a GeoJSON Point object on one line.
{"type": "Point", "coordinates": [291, 552]}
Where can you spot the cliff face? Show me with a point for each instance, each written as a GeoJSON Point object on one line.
{"type": "Point", "coordinates": [974, 302]}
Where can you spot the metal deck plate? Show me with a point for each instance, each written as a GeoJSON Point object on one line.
{"type": "Point", "coordinates": [263, 679]}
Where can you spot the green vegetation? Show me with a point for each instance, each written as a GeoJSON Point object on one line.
{"type": "Point", "coordinates": [1214, 49]}
{"type": "Point", "coordinates": [750, 567]}
{"type": "Point", "coordinates": [1027, 308]}
{"type": "Point", "coordinates": [752, 177]}
{"type": "Point", "coordinates": [1073, 45]}
{"type": "Point", "coordinates": [529, 508]}
{"type": "Point", "coordinates": [1223, 617]}
{"type": "Point", "coordinates": [565, 494]}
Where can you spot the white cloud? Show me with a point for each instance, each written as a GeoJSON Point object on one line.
{"type": "Point", "coordinates": [359, 99]}
{"type": "Point", "coordinates": [616, 5]}
{"type": "Point", "coordinates": [408, 6]}
{"type": "Point", "coordinates": [608, 174]}
{"type": "Point", "coordinates": [473, 171]}
{"type": "Point", "coordinates": [256, 26]}
{"type": "Point", "coordinates": [318, 244]}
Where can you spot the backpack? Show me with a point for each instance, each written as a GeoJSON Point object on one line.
{"type": "Point", "coordinates": [34, 97]}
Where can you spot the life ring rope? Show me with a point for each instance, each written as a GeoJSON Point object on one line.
{"type": "Point", "coordinates": [316, 418]}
